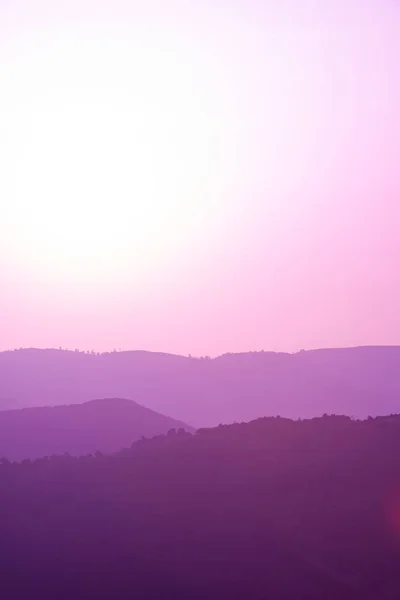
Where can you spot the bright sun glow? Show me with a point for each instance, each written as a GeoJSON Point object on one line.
{"type": "Point", "coordinates": [118, 153]}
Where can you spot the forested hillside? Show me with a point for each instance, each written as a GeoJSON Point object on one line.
{"type": "Point", "coordinates": [274, 508]}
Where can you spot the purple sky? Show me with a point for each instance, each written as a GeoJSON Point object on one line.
{"type": "Point", "coordinates": [199, 177]}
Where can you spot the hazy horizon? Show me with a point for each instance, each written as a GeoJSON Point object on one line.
{"type": "Point", "coordinates": [199, 299]}
{"type": "Point", "coordinates": [191, 354]}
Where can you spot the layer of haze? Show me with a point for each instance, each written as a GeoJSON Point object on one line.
{"type": "Point", "coordinates": [199, 176]}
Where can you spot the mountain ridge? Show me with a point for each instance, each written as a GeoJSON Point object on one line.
{"type": "Point", "coordinates": [104, 425]}
{"type": "Point", "coordinates": [357, 381]}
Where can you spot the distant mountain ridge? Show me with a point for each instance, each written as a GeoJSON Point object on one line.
{"type": "Point", "coordinates": [106, 425]}
{"type": "Point", "coordinates": [234, 387]}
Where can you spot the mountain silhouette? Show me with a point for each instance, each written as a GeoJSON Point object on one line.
{"type": "Point", "coordinates": [273, 509]}
{"type": "Point", "coordinates": [100, 425]}
{"type": "Point", "coordinates": [205, 392]}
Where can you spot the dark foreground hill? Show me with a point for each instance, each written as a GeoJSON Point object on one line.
{"type": "Point", "coordinates": [270, 510]}
{"type": "Point", "coordinates": [238, 387]}
{"type": "Point", "coordinates": [100, 425]}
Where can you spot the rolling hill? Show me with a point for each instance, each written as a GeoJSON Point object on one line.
{"type": "Point", "coordinates": [205, 392]}
{"type": "Point", "coordinates": [100, 425]}
{"type": "Point", "coordinates": [273, 509]}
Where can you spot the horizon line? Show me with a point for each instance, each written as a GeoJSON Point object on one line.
{"type": "Point", "coordinates": [93, 352]}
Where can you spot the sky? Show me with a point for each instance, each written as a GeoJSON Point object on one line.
{"type": "Point", "coordinates": [199, 177]}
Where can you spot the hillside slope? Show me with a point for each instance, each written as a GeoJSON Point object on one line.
{"type": "Point", "coordinates": [274, 509]}
{"type": "Point", "coordinates": [100, 425]}
{"type": "Point", "coordinates": [233, 387]}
